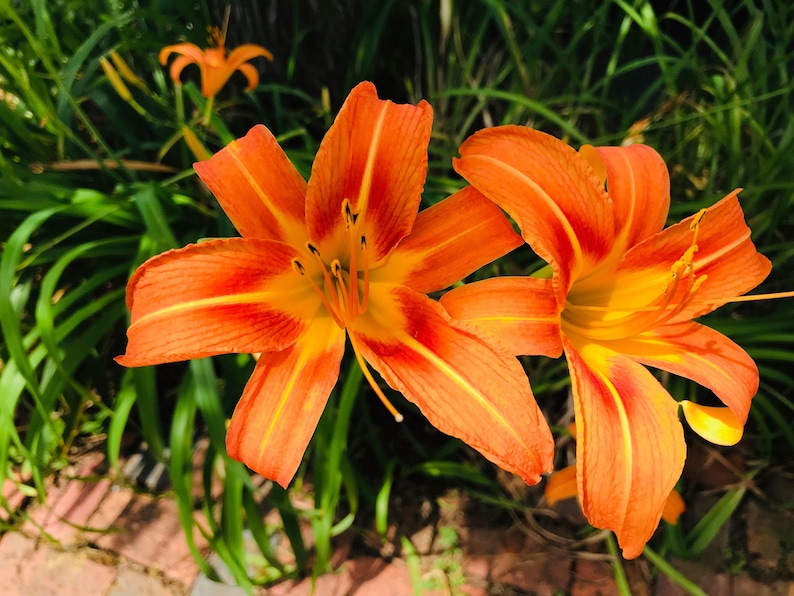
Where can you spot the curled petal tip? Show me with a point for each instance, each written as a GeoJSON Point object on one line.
{"type": "Point", "coordinates": [716, 424]}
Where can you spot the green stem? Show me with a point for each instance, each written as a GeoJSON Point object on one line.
{"type": "Point", "coordinates": [675, 576]}
{"type": "Point", "coordinates": [617, 567]}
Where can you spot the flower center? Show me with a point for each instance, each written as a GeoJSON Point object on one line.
{"type": "Point", "coordinates": [614, 322]}
{"type": "Point", "coordinates": [343, 290]}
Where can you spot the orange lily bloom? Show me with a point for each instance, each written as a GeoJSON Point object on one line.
{"type": "Point", "coordinates": [623, 294]}
{"type": "Point", "coordinates": [563, 485]}
{"type": "Point", "coordinates": [345, 255]}
{"type": "Point", "coordinates": [216, 68]}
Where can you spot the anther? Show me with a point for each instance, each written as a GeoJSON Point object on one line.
{"type": "Point", "coordinates": [348, 214]}
{"type": "Point", "coordinates": [336, 269]}
{"type": "Point", "coordinates": [296, 265]}
{"type": "Point", "coordinates": [312, 249]}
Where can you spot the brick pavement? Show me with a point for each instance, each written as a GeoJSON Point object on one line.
{"type": "Point", "coordinates": [93, 537]}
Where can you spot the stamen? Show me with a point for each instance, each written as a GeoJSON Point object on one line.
{"type": "Point", "coordinates": [297, 266]}
{"type": "Point", "coordinates": [365, 297]}
{"type": "Point", "coordinates": [752, 297]}
{"type": "Point", "coordinates": [343, 297]}
{"type": "Point", "coordinates": [368, 375]}
{"type": "Point", "coordinates": [673, 300]}
{"type": "Point", "coordinates": [695, 225]}
{"type": "Point", "coordinates": [328, 281]}
{"type": "Point", "coordinates": [353, 273]}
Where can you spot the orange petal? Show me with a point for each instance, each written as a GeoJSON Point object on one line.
{"type": "Point", "coordinates": [258, 187]}
{"type": "Point", "coordinates": [550, 191]}
{"type": "Point", "coordinates": [703, 355]}
{"type": "Point", "coordinates": [674, 506]}
{"type": "Point", "coordinates": [188, 50]}
{"type": "Point", "coordinates": [216, 297]}
{"type": "Point", "coordinates": [278, 412]}
{"type": "Point", "coordinates": [213, 78]}
{"type": "Point", "coordinates": [561, 485]}
{"type": "Point", "coordinates": [639, 185]}
{"type": "Point", "coordinates": [463, 387]}
{"type": "Point", "coordinates": [630, 444]}
{"type": "Point", "coordinates": [718, 425]}
{"type": "Point", "coordinates": [251, 74]}
{"type": "Point", "coordinates": [242, 54]}
{"type": "Point", "coordinates": [449, 241]}
{"type": "Point", "coordinates": [178, 65]}
{"type": "Point", "coordinates": [726, 255]}
{"type": "Point", "coordinates": [374, 155]}
{"type": "Point", "coordinates": [521, 312]}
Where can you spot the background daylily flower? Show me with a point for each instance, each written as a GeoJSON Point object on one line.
{"type": "Point", "coordinates": [345, 255]}
{"type": "Point", "coordinates": [216, 67]}
{"type": "Point", "coordinates": [563, 484]}
{"type": "Point", "coordinates": [623, 294]}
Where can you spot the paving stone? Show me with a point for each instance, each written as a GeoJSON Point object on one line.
{"type": "Point", "coordinates": [131, 582]}
{"type": "Point", "coordinates": [477, 569]}
{"type": "Point", "coordinates": [71, 504]}
{"type": "Point", "coordinates": [704, 576]}
{"type": "Point", "coordinates": [473, 590]}
{"type": "Point", "coordinates": [109, 510]}
{"type": "Point", "coordinates": [744, 584]}
{"type": "Point", "coordinates": [593, 578]}
{"type": "Point", "coordinates": [325, 585]}
{"type": "Point", "coordinates": [27, 570]}
{"type": "Point", "coordinates": [15, 549]}
{"type": "Point", "coordinates": [204, 586]}
{"type": "Point", "coordinates": [770, 537]}
{"type": "Point", "coordinates": [538, 573]}
{"type": "Point", "coordinates": [374, 577]}
{"type": "Point", "coordinates": [148, 532]}
{"type": "Point", "coordinates": [13, 497]}
{"type": "Point", "coordinates": [73, 509]}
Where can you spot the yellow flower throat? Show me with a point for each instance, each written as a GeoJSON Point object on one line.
{"type": "Point", "coordinates": [338, 289]}
{"type": "Point", "coordinates": [614, 321]}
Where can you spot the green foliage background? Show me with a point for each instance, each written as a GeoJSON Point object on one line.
{"type": "Point", "coordinates": [92, 184]}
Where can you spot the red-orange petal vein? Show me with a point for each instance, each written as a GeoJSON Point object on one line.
{"type": "Point", "coordinates": [283, 400]}
{"type": "Point", "coordinates": [216, 297]}
{"type": "Point", "coordinates": [462, 386]}
{"type": "Point", "coordinates": [258, 187]}
{"type": "Point", "coordinates": [449, 241]}
{"type": "Point", "coordinates": [375, 156]}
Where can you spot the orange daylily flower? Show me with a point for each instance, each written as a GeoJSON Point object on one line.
{"type": "Point", "coordinates": [623, 294]}
{"type": "Point", "coordinates": [345, 255]}
{"type": "Point", "coordinates": [216, 67]}
{"type": "Point", "coordinates": [563, 485]}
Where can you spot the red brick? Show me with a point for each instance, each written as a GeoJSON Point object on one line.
{"type": "Point", "coordinates": [131, 582]}
{"type": "Point", "coordinates": [26, 570]}
{"type": "Point", "coordinates": [375, 577]}
{"type": "Point", "coordinates": [594, 578]}
{"type": "Point", "coordinates": [537, 573]}
{"type": "Point", "coordinates": [74, 507]}
{"type": "Point", "coordinates": [15, 549]}
{"type": "Point", "coordinates": [112, 506]}
{"type": "Point", "coordinates": [13, 496]}
{"type": "Point", "coordinates": [148, 532]}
